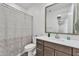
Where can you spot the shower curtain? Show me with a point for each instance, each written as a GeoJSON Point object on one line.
{"type": "Point", "coordinates": [15, 30]}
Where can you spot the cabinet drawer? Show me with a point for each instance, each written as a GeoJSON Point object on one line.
{"type": "Point", "coordinates": [59, 47]}
{"type": "Point", "coordinates": [49, 44]}
{"type": "Point", "coordinates": [58, 53]}
{"type": "Point", "coordinates": [40, 41]}
{"type": "Point", "coordinates": [75, 52]}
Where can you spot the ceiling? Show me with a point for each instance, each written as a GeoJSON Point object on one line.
{"type": "Point", "coordinates": [30, 5]}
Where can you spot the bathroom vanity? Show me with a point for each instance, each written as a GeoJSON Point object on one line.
{"type": "Point", "coordinates": [59, 20]}
{"type": "Point", "coordinates": [55, 47]}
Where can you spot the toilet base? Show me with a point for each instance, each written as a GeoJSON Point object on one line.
{"type": "Point", "coordinates": [30, 54]}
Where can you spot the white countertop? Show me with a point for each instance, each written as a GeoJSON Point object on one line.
{"type": "Point", "coordinates": [65, 42]}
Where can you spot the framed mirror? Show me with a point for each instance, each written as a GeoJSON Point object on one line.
{"type": "Point", "coordinates": [59, 18]}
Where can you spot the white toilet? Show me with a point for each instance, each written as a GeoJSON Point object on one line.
{"type": "Point", "coordinates": [31, 48]}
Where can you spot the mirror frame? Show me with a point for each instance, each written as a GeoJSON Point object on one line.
{"type": "Point", "coordinates": [75, 15]}
{"type": "Point", "coordinates": [73, 33]}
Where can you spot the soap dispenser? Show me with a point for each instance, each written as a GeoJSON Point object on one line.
{"type": "Point", "coordinates": [48, 34]}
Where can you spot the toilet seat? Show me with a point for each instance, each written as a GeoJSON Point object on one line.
{"type": "Point", "coordinates": [30, 47]}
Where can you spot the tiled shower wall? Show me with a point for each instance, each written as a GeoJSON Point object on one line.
{"type": "Point", "coordinates": [15, 30]}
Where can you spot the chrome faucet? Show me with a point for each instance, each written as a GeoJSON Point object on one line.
{"type": "Point", "coordinates": [68, 37]}
{"type": "Point", "coordinates": [57, 36]}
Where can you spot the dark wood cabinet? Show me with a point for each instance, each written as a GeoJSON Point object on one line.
{"type": "Point", "coordinates": [45, 48]}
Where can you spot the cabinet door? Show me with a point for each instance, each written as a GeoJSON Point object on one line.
{"type": "Point", "coordinates": [48, 51]}
{"type": "Point", "coordinates": [39, 48]}
{"type": "Point", "coordinates": [58, 53]}
{"type": "Point", "coordinates": [75, 52]}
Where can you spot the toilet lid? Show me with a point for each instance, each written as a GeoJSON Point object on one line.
{"type": "Point", "coordinates": [30, 46]}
